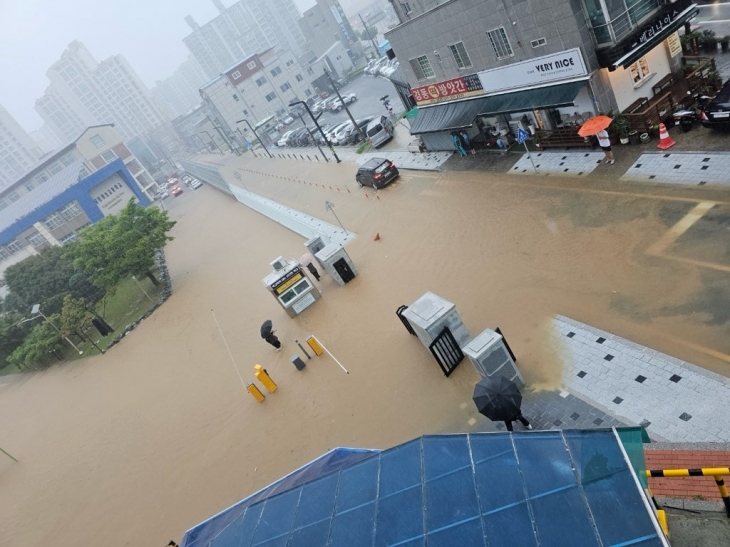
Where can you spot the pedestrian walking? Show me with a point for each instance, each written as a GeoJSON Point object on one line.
{"type": "Point", "coordinates": [605, 143]}
{"type": "Point", "coordinates": [457, 143]}
{"type": "Point", "coordinates": [313, 270]}
{"type": "Point", "coordinates": [520, 418]}
{"type": "Point", "coordinates": [268, 334]}
{"type": "Point", "coordinates": [467, 142]}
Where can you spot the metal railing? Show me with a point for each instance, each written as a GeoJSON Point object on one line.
{"type": "Point", "coordinates": [605, 33]}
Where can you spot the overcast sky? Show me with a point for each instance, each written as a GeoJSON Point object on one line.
{"type": "Point", "coordinates": [148, 33]}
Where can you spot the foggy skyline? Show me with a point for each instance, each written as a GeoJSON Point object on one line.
{"type": "Point", "coordinates": [147, 33]}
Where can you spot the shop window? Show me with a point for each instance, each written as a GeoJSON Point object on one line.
{"type": "Point", "coordinates": [639, 71]}
{"type": "Point", "coordinates": [295, 291]}
{"type": "Point", "coordinates": [500, 43]}
{"type": "Point", "coordinates": [422, 67]}
{"type": "Point", "coordinates": [460, 55]}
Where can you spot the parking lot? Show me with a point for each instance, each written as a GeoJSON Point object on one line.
{"type": "Point", "coordinates": [369, 90]}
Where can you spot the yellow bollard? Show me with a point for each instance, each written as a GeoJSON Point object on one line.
{"type": "Point", "coordinates": [255, 392]}
{"type": "Point", "coordinates": [315, 345]}
{"type": "Point", "coordinates": [263, 377]}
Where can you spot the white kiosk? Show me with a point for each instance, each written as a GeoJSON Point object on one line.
{"type": "Point", "coordinates": [291, 286]}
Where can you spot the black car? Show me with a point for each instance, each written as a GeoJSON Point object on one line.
{"type": "Point", "coordinates": [717, 113]}
{"type": "Point", "coordinates": [353, 135]}
{"type": "Point", "coordinates": [377, 172]}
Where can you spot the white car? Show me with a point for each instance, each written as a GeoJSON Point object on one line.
{"type": "Point", "coordinates": [334, 130]}
{"type": "Point", "coordinates": [195, 184]}
{"type": "Point", "coordinates": [340, 136]}
{"type": "Point", "coordinates": [282, 141]}
{"type": "Point", "coordinates": [287, 120]}
{"type": "Point", "coordinates": [348, 98]}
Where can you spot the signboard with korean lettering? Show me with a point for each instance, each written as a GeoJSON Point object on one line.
{"type": "Point", "coordinates": [675, 45]}
{"type": "Point", "coordinates": [448, 90]}
{"type": "Point", "coordinates": [112, 195]}
{"type": "Point", "coordinates": [541, 70]}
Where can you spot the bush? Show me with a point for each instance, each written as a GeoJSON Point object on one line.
{"type": "Point", "coordinates": [364, 146]}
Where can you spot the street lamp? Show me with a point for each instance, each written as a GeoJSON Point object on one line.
{"type": "Point", "coordinates": [36, 311]}
{"type": "Point", "coordinates": [249, 146]}
{"type": "Point", "coordinates": [256, 135]}
{"type": "Point", "coordinates": [331, 207]}
{"type": "Point", "coordinates": [294, 103]}
{"type": "Point", "coordinates": [313, 138]}
{"type": "Point", "coordinates": [213, 141]}
{"type": "Point", "coordinates": [354, 123]}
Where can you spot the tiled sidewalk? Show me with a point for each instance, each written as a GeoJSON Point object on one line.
{"type": "Point", "coordinates": [673, 399]}
{"type": "Point", "coordinates": [685, 168]}
{"type": "Point", "coordinates": [559, 163]}
{"type": "Point", "coordinates": [429, 161]}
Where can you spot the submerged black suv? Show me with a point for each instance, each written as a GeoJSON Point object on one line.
{"type": "Point", "coordinates": [376, 172]}
{"type": "Point", "coordinates": [717, 113]}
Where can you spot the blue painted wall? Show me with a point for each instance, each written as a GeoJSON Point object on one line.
{"type": "Point", "coordinates": [80, 193]}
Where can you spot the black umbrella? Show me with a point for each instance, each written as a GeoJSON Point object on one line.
{"type": "Point", "coordinates": [266, 329]}
{"type": "Point", "coordinates": [497, 398]}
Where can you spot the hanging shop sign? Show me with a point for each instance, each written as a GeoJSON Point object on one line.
{"type": "Point", "coordinates": [549, 68]}
{"type": "Point", "coordinates": [675, 45]}
{"type": "Point", "coordinates": [448, 90]}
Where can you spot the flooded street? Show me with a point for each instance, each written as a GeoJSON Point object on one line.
{"type": "Point", "coordinates": [135, 446]}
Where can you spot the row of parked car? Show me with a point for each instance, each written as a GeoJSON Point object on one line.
{"type": "Point", "coordinates": [341, 134]}
{"type": "Point", "coordinates": [382, 67]}
{"type": "Point", "coordinates": [333, 103]}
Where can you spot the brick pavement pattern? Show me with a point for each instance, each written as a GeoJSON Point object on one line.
{"type": "Point", "coordinates": [681, 168]}
{"type": "Point", "coordinates": [558, 163]}
{"type": "Point", "coordinates": [685, 487]}
{"type": "Point", "coordinates": [674, 400]}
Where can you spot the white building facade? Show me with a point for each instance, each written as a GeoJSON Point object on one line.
{"type": "Point", "coordinates": [18, 152]}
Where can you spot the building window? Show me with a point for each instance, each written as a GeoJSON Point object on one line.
{"type": "Point", "coordinates": [276, 71]}
{"type": "Point", "coordinates": [406, 7]}
{"type": "Point", "coordinates": [310, 70]}
{"type": "Point", "coordinates": [14, 246]}
{"type": "Point", "coordinates": [285, 86]}
{"type": "Point", "coordinates": [41, 178]}
{"type": "Point", "coordinates": [538, 43]}
{"type": "Point", "coordinates": [67, 160]}
{"type": "Point", "coordinates": [70, 211]}
{"type": "Point", "coordinates": [53, 221]}
{"type": "Point", "coordinates": [37, 240]}
{"type": "Point", "coordinates": [299, 77]}
{"type": "Point", "coordinates": [13, 196]}
{"type": "Point", "coordinates": [460, 55]}
{"type": "Point", "coordinates": [307, 92]}
{"type": "Point", "coordinates": [30, 186]}
{"type": "Point", "coordinates": [97, 141]}
{"type": "Point", "coordinates": [3, 254]}
{"type": "Point", "coordinates": [270, 97]}
{"type": "Point", "coordinates": [235, 97]}
{"type": "Point", "coordinates": [68, 237]}
{"type": "Point", "coordinates": [260, 81]}
{"type": "Point", "coordinates": [251, 65]}
{"type": "Point", "coordinates": [290, 62]}
{"type": "Point", "coordinates": [83, 172]}
{"type": "Point", "coordinates": [422, 67]}
{"type": "Point", "coordinates": [639, 71]}
{"type": "Point", "coordinates": [236, 75]}
{"type": "Point", "coordinates": [55, 168]}
{"type": "Point", "coordinates": [498, 38]}
{"type": "Point", "coordinates": [109, 156]}
{"type": "Point", "coordinates": [245, 112]}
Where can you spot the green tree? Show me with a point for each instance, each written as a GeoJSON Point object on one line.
{"type": "Point", "coordinates": [122, 245]}
{"type": "Point", "coordinates": [12, 334]}
{"type": "Point", "coordinates": [39, 279]}
{"type": "Point", "coordinates": [73, 316]}
{"type": "Point", "coordinates": [37, 347]}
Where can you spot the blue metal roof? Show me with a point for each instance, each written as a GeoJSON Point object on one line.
{"type": "Point", "coordinates": [548, 488]}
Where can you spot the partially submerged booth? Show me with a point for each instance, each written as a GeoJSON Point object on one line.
{"type": "Point", "coordinates": [291, 286]}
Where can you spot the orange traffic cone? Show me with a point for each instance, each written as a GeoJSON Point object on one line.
{"type": "Point", "coordinates": [376, 237]}
{"type": "Point", "coordinates": [665, 141]}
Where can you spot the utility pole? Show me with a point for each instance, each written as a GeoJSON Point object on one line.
{"type": "Point", "coordinates": [318, 128]}
{"type": "Point", "coordinates": [372, 40]}
{"type": "Point", "coordinates": [354, 123]}
{"type": "Point", "coordinates": [310, 134]}
{"type": "Point", "coordinates": [256, 135]}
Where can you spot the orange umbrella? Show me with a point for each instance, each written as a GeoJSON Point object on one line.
{"type": "Point", "coordinates": [594, 125]}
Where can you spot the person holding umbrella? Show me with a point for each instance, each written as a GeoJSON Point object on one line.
{"type": "Point", "coordinates": [499, 399]}
{"type": "Point", "coordinates": [597, 126]}
{"type": "Point", "coordinates": [267, 333]}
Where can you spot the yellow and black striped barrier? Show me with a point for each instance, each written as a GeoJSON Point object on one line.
{"type": "Point", "coordinates": [716, 472]}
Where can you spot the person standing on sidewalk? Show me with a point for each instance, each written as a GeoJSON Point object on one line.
{"type": "Point", "coordinates": [272, 339]}
{"type": "Point", "coordinates": [519, 418]}
{"type": "Point", "coordinates": [605, 143]}
{"type": "Point", "coordinates": [457, 143]}
{"type": "Point", "coordinates": [467, 142]}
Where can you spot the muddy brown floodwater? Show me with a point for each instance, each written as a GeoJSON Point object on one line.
{"type": "Point", "coordinates": [136, 446]}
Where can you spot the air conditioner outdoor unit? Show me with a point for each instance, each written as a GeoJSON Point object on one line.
{"type": "Point", "coordinates": [490, 356]}
{"type": "Point", "coordinates": [279, 264]}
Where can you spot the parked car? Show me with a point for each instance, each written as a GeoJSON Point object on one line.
{"type": "Point", "coordinates": [333, 104]}
{"type": "Point", "coordinates": [334, 130]}
{"type": "Point", "coordinates": [388, 70]}
{"type": "Point", "coordinates": [380, 131]}
{"type": "Point", "coordinates": [340, 82]}
{"type": "Point", "coordinates": [353, 135]}
{"type": "Point", "coordinates": [304, 138]}
{"type": "Point", "coordinates": [195, 184]}
{"type": "Point", "coordinates": [377, 173]}
{"type": "Point", "coordinates": [349, 97]}
{"type": "Point", "coordinates": [326, 128]}
{"type": "Point", "coordinates": [317, 107]}
{"type": "Point", "coordinates": [176, 191]}
{"type": "Point", "coordinates": [162, 194]}
{"type": "Point", "coordinates": [294, 137]}
{"type": "Point", "coordinates": [286, 119]}
{"type": "Point", "coordinates": [717, 112]}
{"type": "Point", "coordinates": [282, 141]}
{"type": "Point", "coordinates": [339, 137]}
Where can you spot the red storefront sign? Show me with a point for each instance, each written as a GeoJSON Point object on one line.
{"type": "Point", "coordinates": [456, 88]}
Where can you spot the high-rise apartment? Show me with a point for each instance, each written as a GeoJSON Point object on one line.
{"type": "Point", "coordinates": [179, 92]}
{"type": "Point", "coordinates": [245, 28]}
{"type": "Point", "coordinates": [18, 152]}
{"type": "Point", "coordinates": [85, 92]}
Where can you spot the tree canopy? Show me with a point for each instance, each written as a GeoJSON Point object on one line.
{"type": "Point", "coordinates": [122, 245]}
{"type": "Point", "coordinates": [38, 345]}
{"type": "Point", "coordinates": [39, 279]}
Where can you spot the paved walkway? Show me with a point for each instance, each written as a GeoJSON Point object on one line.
{"type": "Point", "coordinates": [685, 168]}
{"type": "Point", "coordinates": [559, 163]}
{"type": "Point", "coordinates": [673, 399]}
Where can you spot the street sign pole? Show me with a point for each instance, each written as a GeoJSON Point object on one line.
{"type": "Point", "coordinates": [522, 139]}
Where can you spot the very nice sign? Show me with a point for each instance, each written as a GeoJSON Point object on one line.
{"type": "Point", "coordinates": [541, 70]}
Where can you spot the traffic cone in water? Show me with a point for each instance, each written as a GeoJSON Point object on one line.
{"type": "Point", "coordinates": [376, 237]}
{"type": "Point", "coordinates": [665, 141]}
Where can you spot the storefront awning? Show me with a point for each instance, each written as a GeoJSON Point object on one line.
{"type": "Point", "coordinates": [460, 115]}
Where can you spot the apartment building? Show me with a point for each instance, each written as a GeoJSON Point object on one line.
{"type": "Point", "coordinates": [18, 152]}
{"type": "Point", "coordinates": [326, 23]}
{"type": "Point", "coordinates": [470, 61]}
{"type": "Point", "coordinates": [85, 92]}
{"type": "Point", "coordinates": [256, 88]}
{"type": "Point", "coordinates": [246, 27]}
{"type": "Point", "coordinates": [179, 93]}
